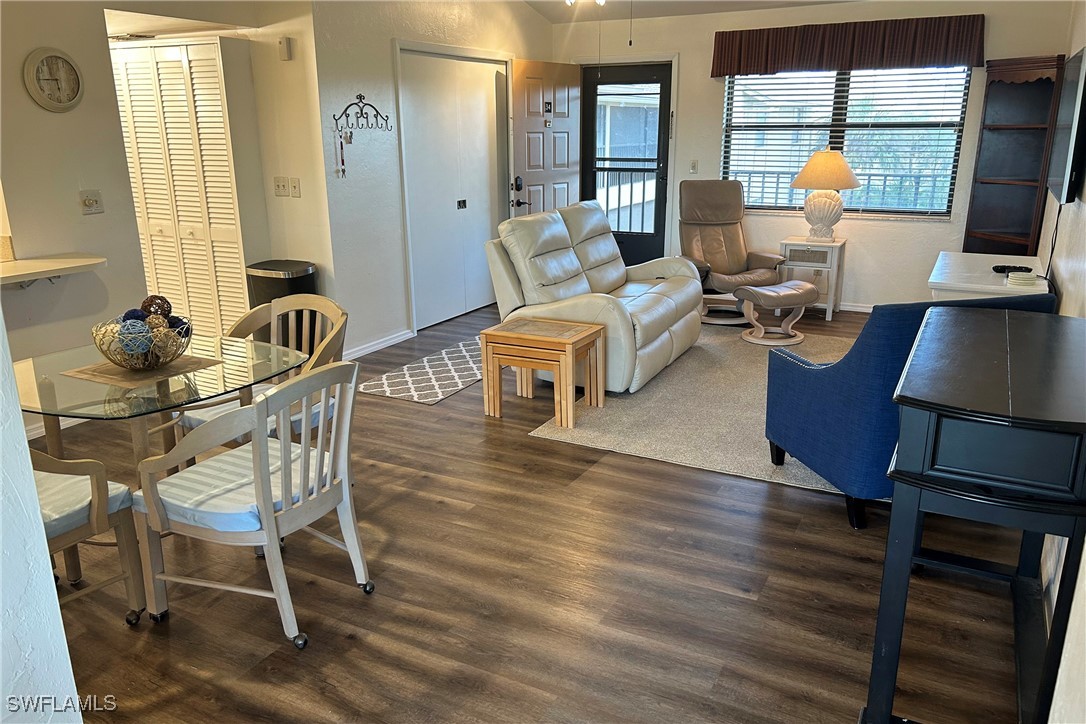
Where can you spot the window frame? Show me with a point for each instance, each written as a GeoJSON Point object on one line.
{"type": "Point", "coordinates": [837, 127]}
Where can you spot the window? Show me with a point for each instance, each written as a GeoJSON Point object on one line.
{"type": "Point", "coordinates": [901, 131]}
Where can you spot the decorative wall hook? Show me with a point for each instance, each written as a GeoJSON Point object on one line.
{"type": "Point", "coordinates": [361, 114]}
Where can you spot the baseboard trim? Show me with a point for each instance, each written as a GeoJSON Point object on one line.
{"type": "Point", "coordinates": [38, 428]}
{"type": "Point", "coordinates": [388, 341]}
{"type": "Point", "coordinates": [857, 307]}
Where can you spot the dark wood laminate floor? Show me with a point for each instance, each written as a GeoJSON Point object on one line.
{"type": "Point", "coordinates": [524, 580]}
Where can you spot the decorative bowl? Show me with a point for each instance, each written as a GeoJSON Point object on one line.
{"type": "Point", "coordinates": [132, 344]}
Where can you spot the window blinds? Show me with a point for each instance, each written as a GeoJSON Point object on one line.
{"type": "Point", "coordinates": [900, 130]}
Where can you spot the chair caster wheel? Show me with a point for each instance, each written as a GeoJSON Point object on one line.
{"type": "Point", "coordinates": [300, 641]}
{"type": "Point", "coordinates": [367, 587]}
{"type": "Point", "coordinates": [159, 617]}
{"type": "Point", "coordinates": [132, 618]}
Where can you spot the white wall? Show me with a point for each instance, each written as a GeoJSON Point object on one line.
{"type": "Point", "coordinates": [46, 159]}
{"type": "Point", "coordinates": [34, 659]}
{"type": "Point", "coordinates": [290, 136]}
{"type": "Point", "coordinates": [887, 259]}
{"type": "Point", "coordinates": [355, 55]}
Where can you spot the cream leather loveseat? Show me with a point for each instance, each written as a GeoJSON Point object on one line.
{"type": "Point", "coordinates": [565, 265]}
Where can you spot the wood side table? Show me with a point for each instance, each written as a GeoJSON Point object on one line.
{"type": "Point", "coordinates": [549, 345]}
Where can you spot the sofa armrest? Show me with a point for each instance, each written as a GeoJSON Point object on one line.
{"type": "Point", "coordinates": [620, 349]}
{"type": "Point", "coordinates": [763, 260]}
{"type": "Point", "coordinates": [669, 266]}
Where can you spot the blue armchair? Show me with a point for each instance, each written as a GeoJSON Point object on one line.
{"type": "Point", "coordinates": [839, 419]}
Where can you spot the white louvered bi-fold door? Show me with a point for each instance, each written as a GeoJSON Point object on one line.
{"type": "Point", "coordinates": [177, 141]}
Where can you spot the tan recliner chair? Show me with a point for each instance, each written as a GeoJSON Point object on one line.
{"type": "Point", "coordinates": [711, 229]}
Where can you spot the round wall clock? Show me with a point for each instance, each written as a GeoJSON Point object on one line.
{"type": "Point", "coordinates": [53, 80]}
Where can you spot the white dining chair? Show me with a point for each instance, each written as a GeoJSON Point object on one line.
{"type": "Point", "coordinates": [78, 503]}
{"type": "Point", "coordinates": [305, 322]}
{"type": "Point", "coordinates": [259, 492]}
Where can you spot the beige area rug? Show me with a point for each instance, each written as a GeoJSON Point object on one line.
{"type": "Point", "coordinates": [707, 410]}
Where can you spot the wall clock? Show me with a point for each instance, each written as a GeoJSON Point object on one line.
{"type": "Point", "coordinates": [53, 80]}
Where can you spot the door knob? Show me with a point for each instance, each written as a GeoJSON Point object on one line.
{"type": "Point", "coordinates": [518, 203]}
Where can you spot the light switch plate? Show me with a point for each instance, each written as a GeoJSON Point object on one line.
{"type": "Point", "coordinates": [281, 186]}
{"type": "Point", "coordinates": [90, 202]}
{"type": "Point", "coordinates": [694, 166]}
{"type": "Point", "coordinates": [296, 188]}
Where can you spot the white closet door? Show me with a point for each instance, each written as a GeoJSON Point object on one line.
{"type": "Point", "coordinates": [431, 168]}
{"type": "Point", "coordinates": [217, 166]}
{"type": "Point", "coordinates": [483, 171]}
{"type": "Point", "coordinates": [454, 149]}
{"type": "Point", "coordinates": [177, 142]}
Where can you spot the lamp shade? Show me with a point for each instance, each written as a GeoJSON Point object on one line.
{"type": "Point", "coordinates": [826, 170]}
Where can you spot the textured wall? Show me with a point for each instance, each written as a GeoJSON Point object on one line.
{"type": "Point", "coordinates": [354, 43]}
{"type": "Point", "coordinates": [888, 259]}
{"type": "Point", "coordinates": [33, 652]}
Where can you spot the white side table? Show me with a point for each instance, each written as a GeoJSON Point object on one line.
{"type": "Point", "coordinates": [799, 253]}
{"type": "Point", "coordinates": [960, 275]}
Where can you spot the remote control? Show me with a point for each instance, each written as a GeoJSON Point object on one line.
{"type": "Point", "coordinates": [1008, 268]}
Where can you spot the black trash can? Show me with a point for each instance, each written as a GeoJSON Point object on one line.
{"type": "Point", "coordinates": [275, 278]}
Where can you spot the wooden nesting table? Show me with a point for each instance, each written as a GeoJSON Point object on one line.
{"type": "Point", "coordinates": [549, 345]}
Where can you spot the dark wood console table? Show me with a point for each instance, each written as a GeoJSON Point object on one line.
{"type": "Point", "coordinates": [993, 429]}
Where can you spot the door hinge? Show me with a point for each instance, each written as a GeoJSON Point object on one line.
{"type": "Point", "coordinates": [671, 127]}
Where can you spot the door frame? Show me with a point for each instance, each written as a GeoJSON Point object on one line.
{"type": "Point", "coordinates": [671, 244]}
{"type": "Point", "coordinates": [459, 53]}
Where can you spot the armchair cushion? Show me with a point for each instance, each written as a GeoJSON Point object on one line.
{"type": "Point", "coordinates": [541, 251]}
{"type": "Point", "coordinates": [66, 500]}
{"type": "Point", "coordinates": [595, 245]}
{"type": "Point", "coordinates": [728, 283]}
{"type": "Point", "coordinates": [219, 493]}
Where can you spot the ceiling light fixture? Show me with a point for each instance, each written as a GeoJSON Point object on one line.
{"type": "Point", "coordinates": [601, 3]}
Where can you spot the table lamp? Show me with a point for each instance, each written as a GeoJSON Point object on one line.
{"type": "Point", "coordinates": [826, 172]}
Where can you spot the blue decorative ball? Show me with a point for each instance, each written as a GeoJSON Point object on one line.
{"type": "Point", "coordinates": [135, 336]}
{"type": "Point", "coordinates": [179, 324]}
{"type": "Point", "coordinates": [137, 314]}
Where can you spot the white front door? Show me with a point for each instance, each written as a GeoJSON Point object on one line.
{"type": "Point", "coordinates": [454, 120]}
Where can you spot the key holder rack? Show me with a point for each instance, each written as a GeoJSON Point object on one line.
{"type": "Point", "coordinates": [359, 114]}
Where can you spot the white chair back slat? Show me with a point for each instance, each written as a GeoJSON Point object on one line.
{"type": "Point", "coordinates": [305, 480]}
{"type": "Point", "coordinates": [283, 429]}
{"type": "Point", "coordinates": [322, 430]}
{"type": "Point", "coordinates": [334, 386]}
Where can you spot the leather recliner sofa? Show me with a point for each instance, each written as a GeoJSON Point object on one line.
{"type": "Point", "coordinates": [565, 265]}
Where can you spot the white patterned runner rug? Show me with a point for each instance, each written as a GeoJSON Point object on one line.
{"type": "Point", "coordinates": [431, 379]}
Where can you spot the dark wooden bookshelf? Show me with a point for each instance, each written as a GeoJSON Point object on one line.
{"type": "Point", "coordinates": [1006, 207]}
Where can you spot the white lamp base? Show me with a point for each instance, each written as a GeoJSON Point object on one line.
{"type": "Point", "coordinates": [822, 209]}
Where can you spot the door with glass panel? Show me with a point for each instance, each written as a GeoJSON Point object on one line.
{"type": "Point", "coordinates": [626, 126]}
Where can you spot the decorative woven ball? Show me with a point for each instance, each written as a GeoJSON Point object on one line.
{"type": "Point", "coordinates": [156, 304]}
{"type": "Point", "coordinates": [135, 336]}
{"type": "Point", "coordinates": [137, 314]}
{"type": "Point", "coordinates": [180, 325]}
{"type": "Point", "coordinates": [156, 321]}
{"type": "Point", "coordinates": [164, 339]}
{"type": "Point", "coordinates": [132, 344]}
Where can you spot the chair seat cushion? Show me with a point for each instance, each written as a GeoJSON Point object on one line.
{"type": "Point", "coordinates": [728, 283]}
{"type": "Point", "coordinates": [655, 305]}
{"type": "Point", "coordinates": [220, 492]}
{"type": "Point", "coordinates": [191, 419]}
{"type": "Point", "coordinates": [65, 501]}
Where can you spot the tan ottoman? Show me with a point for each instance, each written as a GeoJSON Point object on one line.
{"type": "Point", "coordinates": [794, 295]}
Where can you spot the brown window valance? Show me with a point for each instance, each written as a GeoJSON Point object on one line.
{"type": "Point", "coordinates": [906, 43]}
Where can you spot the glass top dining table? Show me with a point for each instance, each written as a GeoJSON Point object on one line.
{"type": "Point", "coordinates": [48, 387]}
